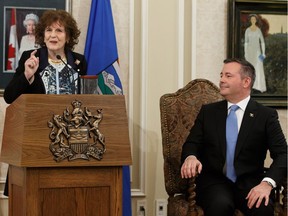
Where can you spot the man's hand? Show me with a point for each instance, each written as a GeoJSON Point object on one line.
{"type": "Point", "coordinates": [191, 167]}
{"type": "Point", "coordinates": [258, 193]}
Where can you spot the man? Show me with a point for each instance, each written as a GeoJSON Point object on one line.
{"type": "Point", "coordinates": [222, 185]}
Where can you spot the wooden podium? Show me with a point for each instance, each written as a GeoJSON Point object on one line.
{"type": "Point", "coordinates": [40, 185]}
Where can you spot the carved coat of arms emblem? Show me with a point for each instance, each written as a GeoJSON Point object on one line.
{"type": "Point", "coordinates": [76, 134]}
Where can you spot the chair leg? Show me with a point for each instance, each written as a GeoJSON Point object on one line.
{"type": "Point", "coordinates": [284, 199]}
{"type": "Point", "coordinates": [194, 210]}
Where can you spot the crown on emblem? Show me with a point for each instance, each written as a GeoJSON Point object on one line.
{"type": "Point", "coordinates": [76, 104]}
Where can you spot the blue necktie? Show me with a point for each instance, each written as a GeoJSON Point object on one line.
{"type": "Point", "coordinates": [231, 139]}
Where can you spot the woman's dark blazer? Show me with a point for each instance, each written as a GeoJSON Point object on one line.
{"type": "Point", "coordinates": [20, 85]}
{"type": "Point", "coordinates": [260, 130]}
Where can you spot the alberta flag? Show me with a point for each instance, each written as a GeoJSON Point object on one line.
{"type": "Point", "coordinates": [12, 61]}
{"type": "Point", "coordinates": [101, 48]}
{"type": "Point", "coordinates": [102, 57]}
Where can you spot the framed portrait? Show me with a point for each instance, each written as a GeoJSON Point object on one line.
{"type": "Point", "coordinates": [18, 19]}
{"type": "Point", "coordinates": [257, 31]}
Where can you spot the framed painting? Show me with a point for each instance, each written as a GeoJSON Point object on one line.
{"type": "Point", "coordinates": [17, 18]}
{"type": "Point", "coordinates": [257, 31]}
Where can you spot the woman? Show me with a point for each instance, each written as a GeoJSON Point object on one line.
{"type": "Point", "coordinates": [47, 70]}
{"type": "Point", "coordinates": [255, 51]}
{"type": "Point", "coordinates": [28, 41]}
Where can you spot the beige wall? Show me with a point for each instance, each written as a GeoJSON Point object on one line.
{"type": "Point", "coordinates": [162, 45]}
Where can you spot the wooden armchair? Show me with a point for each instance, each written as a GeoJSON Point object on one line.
{"type": "Point", "coordinates": [178, 111]}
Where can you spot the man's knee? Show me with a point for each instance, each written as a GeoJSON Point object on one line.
{"type": "Point", "coordinates": [221, 206]}
{"type": "Point", "coordinates": [262, 210]}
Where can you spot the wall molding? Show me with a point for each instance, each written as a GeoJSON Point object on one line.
{"type": "Point", "coordinates": [68, 6]}
{"type": "Point", "coordinates": [2, 183]}
{"type": "Point", "coordinates": [2, 196]}
{"type": "Point", "coordinates": [131, 78]}
{"type": "Point", "coordinates": [194, 39]}
{"type": "Point", "coordinates": [181, 42]}
{"type": "Point", "coordinates": [141, 191]}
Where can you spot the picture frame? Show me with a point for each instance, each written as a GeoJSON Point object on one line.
{"type": "Point", "coordinates": [267, 53]}
{"type": "Point", "coordinates": [20, 9]}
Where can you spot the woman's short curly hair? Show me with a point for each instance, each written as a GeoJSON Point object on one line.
{"type": "Point", "coordinates": [64, 18]}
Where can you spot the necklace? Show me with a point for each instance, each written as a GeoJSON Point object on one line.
{"type": "Point", "coordinates": [56, 61]}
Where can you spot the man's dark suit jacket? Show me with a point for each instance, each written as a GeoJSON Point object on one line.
{"type": "Point", "coordinates": [20, 85]}
{"type": "Point", "coordinates": [260, 130]}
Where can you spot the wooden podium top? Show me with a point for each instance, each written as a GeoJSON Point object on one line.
{"type": "Point", "coordinates": [27, 136]}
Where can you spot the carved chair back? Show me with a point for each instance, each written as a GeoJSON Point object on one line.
{"type": "Point", "coordinates": [178, 112]}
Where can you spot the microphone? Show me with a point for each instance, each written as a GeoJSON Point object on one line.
{"type": "Point", "coordinates": [59, 58]}
{"type": "Point", "coordinates": [74, 74]}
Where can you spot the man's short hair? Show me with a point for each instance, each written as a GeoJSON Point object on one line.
{"type": "Point", "coordinates": [247, 69]}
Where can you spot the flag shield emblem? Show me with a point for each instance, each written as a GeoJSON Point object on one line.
{"type": "Point", "coordinates": [78, 141]}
